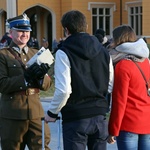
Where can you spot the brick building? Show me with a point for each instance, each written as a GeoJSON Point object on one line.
{"type": "Point", "coordinates": [45, 15]}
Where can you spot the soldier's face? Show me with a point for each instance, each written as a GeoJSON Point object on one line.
{"type": "Point", "coordinates": [20, 37]}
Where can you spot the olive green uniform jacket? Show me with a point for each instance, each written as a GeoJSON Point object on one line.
{"type": "Point", "coordinates": [12, 81]}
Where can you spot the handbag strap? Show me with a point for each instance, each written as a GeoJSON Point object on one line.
{"type": "Point", "coordinates": [147, 82]}
{"type": "Point", "coordinates": [17, 57]}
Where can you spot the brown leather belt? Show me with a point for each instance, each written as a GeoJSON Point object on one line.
{"type": "Point", "coordinates": [29, 91]}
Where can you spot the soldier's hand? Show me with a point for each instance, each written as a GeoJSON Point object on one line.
{"type": "Point", "coordinates": [29, 76]}
{"type": "Point", "coordinates": [45, 67]}
{"type": "Point", "coordinates": [39, 70]}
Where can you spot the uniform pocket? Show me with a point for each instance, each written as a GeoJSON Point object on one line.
{"type": "Point", "coordinates": [14, 68]}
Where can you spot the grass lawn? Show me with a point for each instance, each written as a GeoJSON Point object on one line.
{"type": "Point", "coordinates": [48, 93]}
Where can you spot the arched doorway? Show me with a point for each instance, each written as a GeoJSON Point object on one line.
{"type": "Point", "coordinates": [49, 29]}
{"type": "Point", "coordinates": [41, 24]}
{"type": "Point", "coordinates": [2, 22]}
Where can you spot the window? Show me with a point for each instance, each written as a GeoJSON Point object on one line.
{"type": "Point", "coordinates": [102, 16]}
{"type": "Point", "coordinates": [135, 19]}
{"type": "Point", "coordinates": [134, 10]}
{"type": "Point", "coordinates": [101, 19]}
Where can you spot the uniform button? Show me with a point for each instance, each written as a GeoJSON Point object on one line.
{"type": "Point", "coordinates": [14, 65]}
{"type": "Point", "coordinates": [11, 97]}
{"type": "Point", "coordinates": [21, 88]}
{"type": "Point", "coordinates": [25, 59]}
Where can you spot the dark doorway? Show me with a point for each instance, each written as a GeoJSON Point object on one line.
{"type": "Point", "coordinates": [41, 24]}
{"type": "Point", "coordinates": [49, 29]}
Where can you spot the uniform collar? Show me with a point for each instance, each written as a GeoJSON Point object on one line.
{"type": "Point", "coordinates": [18, 49]}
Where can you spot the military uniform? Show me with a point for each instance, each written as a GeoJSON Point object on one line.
{"type": "Point", "coordinates": [20, 106]}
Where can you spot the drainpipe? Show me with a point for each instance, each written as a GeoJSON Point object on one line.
{"type": "Point", "coordinates": [120, 12]}
{"type": "Point", "coordinates": [16, 7]}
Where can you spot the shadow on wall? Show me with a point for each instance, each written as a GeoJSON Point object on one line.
{"type": "Point", "coordinates": [149, 49]}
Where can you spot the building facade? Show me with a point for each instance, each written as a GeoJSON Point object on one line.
{"type": "Point", "coordinates": [45, 15]}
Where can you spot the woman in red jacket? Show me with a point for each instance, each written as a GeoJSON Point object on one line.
{"type": "Point", "coordinates": [130, 115]}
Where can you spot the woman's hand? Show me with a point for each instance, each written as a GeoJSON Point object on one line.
{"type": "Point", "coordinates": [111, 139]}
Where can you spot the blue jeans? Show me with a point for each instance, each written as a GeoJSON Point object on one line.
{"type": "Point", "coordinates": [132, 141]}
{"type": "Point", "coordinates": [90, 132]}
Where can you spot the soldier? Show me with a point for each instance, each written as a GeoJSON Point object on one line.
{"type": "Point", "coordinates": [20, 107]}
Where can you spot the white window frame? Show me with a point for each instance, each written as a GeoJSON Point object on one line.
{"type": "Point", "coordinates": [133, 5]}
{"type": "Point", "coordinates": [111, 6]}
{"type": "Point", "coordinates": [11, 8]}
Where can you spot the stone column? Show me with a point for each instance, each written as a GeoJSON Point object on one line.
{"type": "Point", "coordinates": [11, 10]}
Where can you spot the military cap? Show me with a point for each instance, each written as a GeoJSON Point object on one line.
{"type": "Point", "coordinates": [21, 23]}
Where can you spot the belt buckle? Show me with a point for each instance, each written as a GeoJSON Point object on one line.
{"type": "Point", "coordinates": [30, 91]}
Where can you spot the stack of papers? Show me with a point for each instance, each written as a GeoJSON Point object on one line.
{"type": "Point", "coordinates": [42, 56]}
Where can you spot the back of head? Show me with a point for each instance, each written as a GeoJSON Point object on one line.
{"type": "Point", "coordinates": [99, 37]}
{"type": "Point", "coordinates": [21, 23]}
{"type": "Point", "coordinates": [100, 31]}
{"type": "Point", "coordinates": [45, 43]}
{"type": "Point", "coordinates": [122, 34]}
{"type": "Point", "coordinates": [74, 21]}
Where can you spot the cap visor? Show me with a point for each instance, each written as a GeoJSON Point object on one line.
{"type": "Point", "coordinates": [22, 28]}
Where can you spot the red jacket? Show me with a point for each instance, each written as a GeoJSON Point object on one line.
{"type": "Point", "coordinates": [130, 102]}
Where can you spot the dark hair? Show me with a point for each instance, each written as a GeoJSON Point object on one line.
{"type": "Point", "coordinates": [74, 21]}
{"type": "Point", "coordinates": [100, 31]}
{"type": "Point", "coordinates": [99, 37]}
